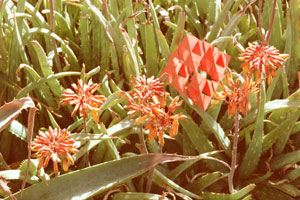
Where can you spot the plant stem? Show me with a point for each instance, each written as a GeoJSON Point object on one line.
{"type": "Point", "coordinates": [87, 162]}
{"type": "Point", "coordinates": [30, 125]}
{"type": "Point", "coordinates": [143, 142]}
{"type": "Point", "coordinates": [259, 22]}
{"type": "Point", "coordinates": [234, 153]}
{"type": "Point", "coordinates": [271, 22]}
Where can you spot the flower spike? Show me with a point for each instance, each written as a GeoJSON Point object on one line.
{"type": "Point", "coordinates": [82, 96]}
{"type": "Point", "coordinates": [54, 144]}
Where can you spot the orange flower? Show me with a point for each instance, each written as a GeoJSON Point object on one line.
{"type": "Point", "coordinates": [54, 144]}
{"type": "Point", "coordinates": [162, 120]}
{"type": "Point", "coordinates": [235, 94]}
{"type": "Point", "coordinates": [148, 98]}
{"type": "Point", "coordinates": [262, 59]}
{"type": "Point", "coordinates": [83, 97]}
{"type": "Point", "coordinates": [146, 87]}
{"type": "Point", "coordinates": [141, 97]}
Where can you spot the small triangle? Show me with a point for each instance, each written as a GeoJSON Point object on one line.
{"type": "Point", "coordinates": [189, 41]}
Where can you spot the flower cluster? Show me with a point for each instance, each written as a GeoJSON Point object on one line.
{"type": "Point", "coordinates": [54, 144]}
{"type": "Point", "coordinates": [83, 97]}
{"type": "Point", "coordinates": [263, 60]}
{"type": "Point", "coordinates": [148, 99]}
{"type": "Point", "coordinates": [235, 94]}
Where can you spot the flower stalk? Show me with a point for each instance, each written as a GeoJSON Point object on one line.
{"type": "Point", "coordinates": [234, 153]}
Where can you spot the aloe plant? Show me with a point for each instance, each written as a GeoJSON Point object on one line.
{"type": "Point", "coordinates": [52, 44]}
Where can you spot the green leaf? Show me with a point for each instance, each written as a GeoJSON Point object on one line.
{"type": "Point", "coordinates": [263, 192]}
{"type": "Point", "coordinates": [284, 159]}
{"type": "Point", "coordinates": [235, 196]}
{"type": "Point", "coordinates": [161, 180]}
{"type": "Point", "coordinates": [137, 196]}
{"type": "Point", "coordinates": [31, 86]}
{"type": "Point", "coordinates": [220, 20]}
{"type": "Point", "coordinates": [288, 189]}
{"type": "Point", "coordinates": [55, 87]}
{"type": "Point", "coordinates": [205, 181]}
{"type": "Point", "coordinates": [66, 49]}
{"type": "Point", "coordinates": [213, 125]}
{"type": "Point", "coordinates": [11, 110]}
{"type": "Point", "coordinates": [179, 33]}
{"type": "Point", "coordinates": [151, 51]}
{"type": "Point", "coordinates": [113, 99]}
{"type": "Point", "coordinates": [178, 170]}
{"type": "Point", "coordinates": [272, 137]}
{"type": "Point", "coordinates": [97, 178]}
{"type": "Point", "coordinates": [18, 130]}
{"type": "Point", "coordinates": [253, 153]}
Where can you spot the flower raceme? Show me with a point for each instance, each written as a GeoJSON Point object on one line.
{"type": "Point", "coordinates": [162, 119]}
{"type": "Point", "coordinates": [263, 60]}
{"type": "Point", "coordinates": [54, 144]}
{"type": "Point", "coordinates": [141, 97]}
{"type": "Point", "coordinates": [147, 87]}
{"type": "Point", "coordinates": [83, 97]}
{"type": "Point", "coordinates": [148, 99]}
{"type": "Point", "coordinates": [235, 94]}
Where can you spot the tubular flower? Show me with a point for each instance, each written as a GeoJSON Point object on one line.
{"type": "Point", "coordinates": [162, 119]}
{"type": "Point", "coordinates": [146, 87]}
{"type": "Point", "coordinates": [54, 144]}
{"type": "Point", "coordinates": [83, 97]}
{"type": "Point", "coordinates": [262, 59]}
{"type": "Point", "coordinates": [235, 94]}
{"type": "Point", "coordinates": [141, 97]}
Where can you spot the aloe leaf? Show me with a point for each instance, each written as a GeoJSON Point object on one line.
{"type": "Point", "coordinates": [179, 33]}
{"type": "Point", "coordinates": [288, 189]}
{"type": "Point", "coordinates": [291, 45]}
{"type": "Point", "coordinates": [261, 178]}
{"type": "Point", "coordinates": [66, 49]}
{"type": "Point", "coordinates": [16, 174]}
{"type": "Point", "coordinates": [253, 153]}
{"type": "Point", "coordinates": [85, 45]}
{"type": "Point", "coordinates": [232, 24]}
{"type": "Point", "coordinates": [160, 179]}
{"type": "Point", "coordinates": [164, 46]}
{"type": "Point", "coordinates": [205, 181]}
{"type": "Point", "coordinates": [293, 174]}
{"type": "Point", "coordinates": [132, 69]}
{"type": "Point", "coordinates": [31, 86]}
{"type": "Point", "coordinates": [284, 159]}
{"type": "Point", "coordinates": [272, 137]}
{"type": "Point", "coordinates": [214, 127]}
{"type": "Point", "coordinates": [151, 51]}
{"type": "Point", "coordinates": [281, 103]}
{"type": "Point", "coordinates": [18, 129]}
{"type": "Point", "coordinates": [220, 20]}
{"type": "Point", "coordinates": [113, 99]}
{"type": "Point", "coordinates": [263, 192]}
{"type": "Point", "coordinates": [178, 170]}
{"type": "Point", "coordinates": [200, 141]}
{"type": "Point", "coordinates": [235, 196]}
{"type": "Point", "coordinates": [137, 196]}
{"type": "Point", "coordinates": [11, 110]}
{"type": "Point", "coordinates": [121, 127]}
{"type": "Point", "coordinates": [45, 91]}
{"type": "Point", "coordinates": [269, 107]}
{"type": "Point", "coordinates": [106, 25]}
{"type": "Point", "coordinates": [55, 87]}
{"type": "Point", "coordinates": [97, 178]}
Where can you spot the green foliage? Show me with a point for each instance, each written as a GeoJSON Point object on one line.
{"type": "Point", "coordinates": [109, 41]}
